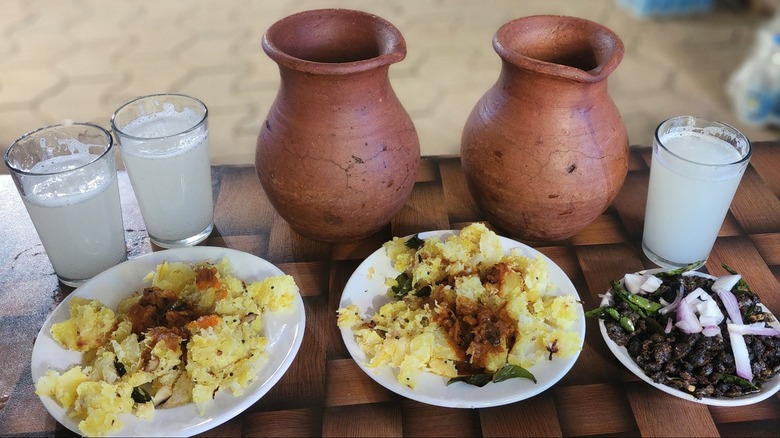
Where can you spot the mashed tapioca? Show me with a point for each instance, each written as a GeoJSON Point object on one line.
{"type": "Point", "coordinates": [464, 306]}
{"type": "Point", "coordinates": [195, 330]}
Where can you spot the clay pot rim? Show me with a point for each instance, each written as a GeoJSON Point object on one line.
{"type": "Point", "coordinates": [593, 29]}
{"type": "Point", "coordinates": [392, 47]}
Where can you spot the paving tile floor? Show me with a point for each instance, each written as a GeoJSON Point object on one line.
{"type": "Point", "coordinates": [81, 59]}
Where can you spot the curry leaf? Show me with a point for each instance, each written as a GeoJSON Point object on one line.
{"type": "Point", "coordinates": [120, 368]}
{"type": "Point", "coordinates": [404, 285]}
{"type": "Point", "coordinates": [505, 373]}
{"type": "Point", "coordinates": [474, 379]}
{"type": "Point", "coordinates": [739, 381]}
{"type": "Point", "coordinates": [512, 372]}
{"type": "Point", "coordinates": [415, 242]}
{"type": "Point", "coordinates": [140, 395]}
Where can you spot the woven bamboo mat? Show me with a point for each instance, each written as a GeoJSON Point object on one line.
{"type": "Point", "coordinates": [326, 393]}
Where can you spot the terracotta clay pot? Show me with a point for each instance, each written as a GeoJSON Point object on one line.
{"type": "Point", "coordinates": [338, 154]}
{"type": "Point", "coordinates": [545, 150]}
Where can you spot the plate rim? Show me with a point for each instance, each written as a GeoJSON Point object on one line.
{"type": "Point", "coordinates": [621, 354]}
{"type": "Point", "coordinates": [392, 385]}
{"type": "Point", "coordinates": [295, 320]}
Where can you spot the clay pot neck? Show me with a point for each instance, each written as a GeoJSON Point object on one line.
{"type": "Point", "coordinates": [567, 48]}
{"type": "Point", "coordinates": [333, 42]}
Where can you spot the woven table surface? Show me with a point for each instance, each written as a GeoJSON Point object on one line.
{"type": "Point", "coordinates": [325, 393]}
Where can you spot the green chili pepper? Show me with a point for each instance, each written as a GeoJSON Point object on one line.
{"type": "Point", "coordinates": [598, 311]}
{"type": "Point", "coordinates": [627, 324]}
{"type": "Point", "coordinates": [651, 307]}
{"type": "Point", "coordinates": [611, 311]}
{"type": "Point", "coordinates": [595, 312]}
{"type": "Point", "coordinates": [624, 321]}
{"type": "Point", "coordinates": [623, 295]}
{"type": "Point", "coordinates": [679, 271]}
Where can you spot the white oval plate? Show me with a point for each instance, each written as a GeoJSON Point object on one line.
{"type": "Point", "coordinates": [284, 331]}
{"type": "Point", "coordinates": [768, 389]}
{"type": "Point", "coordinates": [366, 288]}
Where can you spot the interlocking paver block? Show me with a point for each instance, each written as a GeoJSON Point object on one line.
{"type": "Point", "coordinates": [81, 60]}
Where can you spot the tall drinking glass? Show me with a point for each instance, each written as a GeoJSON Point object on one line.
{"type": "Point", "coordinates": [66, 176]}
{"type": "Point", "coordinates": [163, 139]}
{"type": "Point", "coordinates": [696, 168]}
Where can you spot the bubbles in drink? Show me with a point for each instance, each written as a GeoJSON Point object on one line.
{"type": "Point", "coordinates": [166, 124]}
{"type": "Point", "coordinates": [69, 187]}
{"type": "Point", "coordinates": [700, 148]}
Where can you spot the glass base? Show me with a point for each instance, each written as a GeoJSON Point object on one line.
{"type": "Point", "coordinates": [668, 264]}
{"type": "Point", "coordinates": [78, 282]}
{"type": "Point", "coordinates": [71, 283]}
{"type": "Point", "coordinates": [190, 241]}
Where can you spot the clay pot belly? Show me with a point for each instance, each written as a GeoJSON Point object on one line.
{"type": "Point", "coordinates": [342, 182]}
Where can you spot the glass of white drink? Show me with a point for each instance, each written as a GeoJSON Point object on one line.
{"type": "Point", "coordinates": [696, 168]}
{"type": "Point", "coordinates": [66, 176]}
{"type": "Point", "coordinates": [164, 143]}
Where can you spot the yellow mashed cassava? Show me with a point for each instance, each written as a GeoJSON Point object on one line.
{"type": "Point", "coordinates": [473, 309]}
{"type": "Point", "coordinates": [130, 365]}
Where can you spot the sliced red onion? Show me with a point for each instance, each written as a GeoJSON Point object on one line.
{"type": "Point", "coordinates": [731, 305]}
{"type": "Point", "coordinates": [686, 319]}
{"type": "Point", "coordinates": [726, 282]}
{"type": "Point", "coordinates": [711, 330]}
{"type": "Point", "coordinates": [669, 325]}
{"type": "Point", "coordinates": [741, 356]}
{"type": "Point", "coordinates": [668, 308]}
{"type": "Point", "coordinates": [651, 284]}
{"type": "Point", "coordinates": [753, 329]}
{"type": "Point", "coordinates": [633, 282]}
{"type": "Point", "coordinates": [696, 296]}
{"type": "Point", "coordinates": [709, 312]}
{"type": "Point", "coordinates": [706, 320]}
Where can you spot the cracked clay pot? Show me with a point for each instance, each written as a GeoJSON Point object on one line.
{"type": "Point", "coordinates": [545, 150]}
{"type": "Point", "coordinates": [338, 154]}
